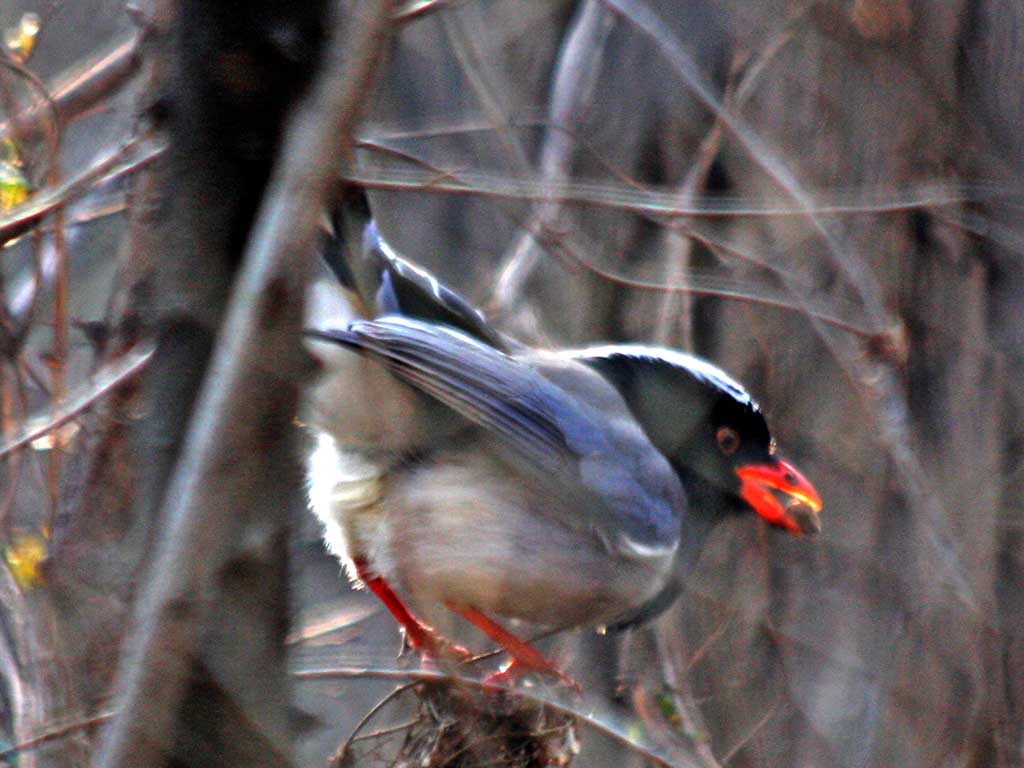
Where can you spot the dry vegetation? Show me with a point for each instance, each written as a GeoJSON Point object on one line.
{"type": "Point", "coordinates": [823, 197]}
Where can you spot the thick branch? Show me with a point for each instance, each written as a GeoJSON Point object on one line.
{"type": "Point", "coordinates": [251, 384]}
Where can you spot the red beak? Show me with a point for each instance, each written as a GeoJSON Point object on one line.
{"type": "Point", "coordinates": [762, 484]}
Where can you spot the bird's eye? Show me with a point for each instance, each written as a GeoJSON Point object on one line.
{"type": "Point", "coordinates": [728, 440]}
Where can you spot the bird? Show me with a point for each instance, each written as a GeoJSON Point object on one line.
{"type": "Point", "coordinates": [564, 488]}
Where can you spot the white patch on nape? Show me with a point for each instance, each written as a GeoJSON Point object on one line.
{"type": "Point", "coordinates": [340, 483]}
{"type": "Point", "coordinates": [698, 367]}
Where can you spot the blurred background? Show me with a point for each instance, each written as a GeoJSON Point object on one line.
{"type": "Point", "coordinates": [824, 198]}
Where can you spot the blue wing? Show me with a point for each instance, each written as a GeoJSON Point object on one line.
{"type": "Point", "coordinates": [587, 449]}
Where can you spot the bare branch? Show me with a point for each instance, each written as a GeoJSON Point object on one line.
{"type": "Point", "coordinates": [575, 79]}
{"type": "Point", "coordinates": [654, 202]}
{"type": "Point", "coordinates": [102, 383]}
{"type": "Point", "coordinates": [59, 732]}
{"type": "Point", "coordinates": [80, 89]}
{"type": "Point", "coordinates": [861, 279]}
{"type": "Point", "coordinates": [679, 246]}
{"type": "Point", "coordinates": [485, 80]}
{"type": "Point", "coordinates": [754, 729]}
{"type": "Point", "coordinates": [129, 158]}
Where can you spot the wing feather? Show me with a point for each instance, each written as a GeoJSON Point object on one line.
{"type": "Point", "coordinates": [619, 485]}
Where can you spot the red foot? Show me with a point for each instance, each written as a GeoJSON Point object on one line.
{"type": "Point", "coordinates": [525, 658]}
{"type": "Point", "coordinates": [421, 637]}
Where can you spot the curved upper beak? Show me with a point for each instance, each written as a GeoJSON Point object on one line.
{"type": "Point", "coordinates": [780, 494]}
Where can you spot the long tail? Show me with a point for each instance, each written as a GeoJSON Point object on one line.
{"type": "Point", "coordinates": [381, 282]}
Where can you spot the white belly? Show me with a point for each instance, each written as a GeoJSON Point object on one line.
{"type": "Point", "coordinates": [466, 529]}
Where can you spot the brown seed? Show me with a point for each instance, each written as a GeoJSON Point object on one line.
{"type": "Point", "coordinates": [806, 518]}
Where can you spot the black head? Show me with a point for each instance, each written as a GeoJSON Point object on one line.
{"type": "Point", "coordinates": [712, 432]}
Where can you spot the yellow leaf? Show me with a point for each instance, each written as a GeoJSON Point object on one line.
{"type": "Point", "coordinates": [14, 187]}
{"type": "Point", "coordinates": [24, 555]}
{"type": "Point", "coordinates": [20, 40]}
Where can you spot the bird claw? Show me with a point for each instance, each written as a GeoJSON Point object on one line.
{"type": "Point", "coordinates": [434, 647]}
{"type": "Point", "coordinates": [515, 669]}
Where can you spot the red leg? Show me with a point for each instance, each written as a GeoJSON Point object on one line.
{"type": "Point", "coordinates": [421, 636]}
{"type": "Point", "coordinates": [525, 658]}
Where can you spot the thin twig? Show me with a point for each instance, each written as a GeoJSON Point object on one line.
{"type": "Point", "coordinates": [706, 285]}
{"type": "Point", "coordinates": [58, 361]}
{"type": "Point", "coordinates": [18, 129]}
{"type": "Point", "coordinates": [353, 736]}
{"type": "Point", "coordinates": [681, 700]}
{"type": "Point", "coordinates": [10, 421]}
{"type": "Point", "coordinates": [101, 384]}
{"type": "Point", "coordinates": [56, 733]}
{"type": "Point", "coordinates": [336, 621]}
{"type": "Point", "coordinates": [575, 78]}
{"type": "Point", "coordinates": [717, 288]}
{"type": "Point", "coordinates": [380, 733]}
{"type": "Point", "coordinates": [862, 280]}
{"type": "Point", "coordinates": [481, 74]}
{"type": "Point", "coordinates": [77, 91]}
{"type": "Point", "coordinates": [680, 247]}
{"type": "Point", "coordinates": [716, 634]}
{"type": "Point", "coordinates": [130, 157]}
{"type": "Point", "coordinates": [654, 202]}
{"type": "Point", "coordinates": [754, 729]}
{"type": "Point", "coordinates": [733, 100]}
{"type": "Point", "coordinates": [51, 126]}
